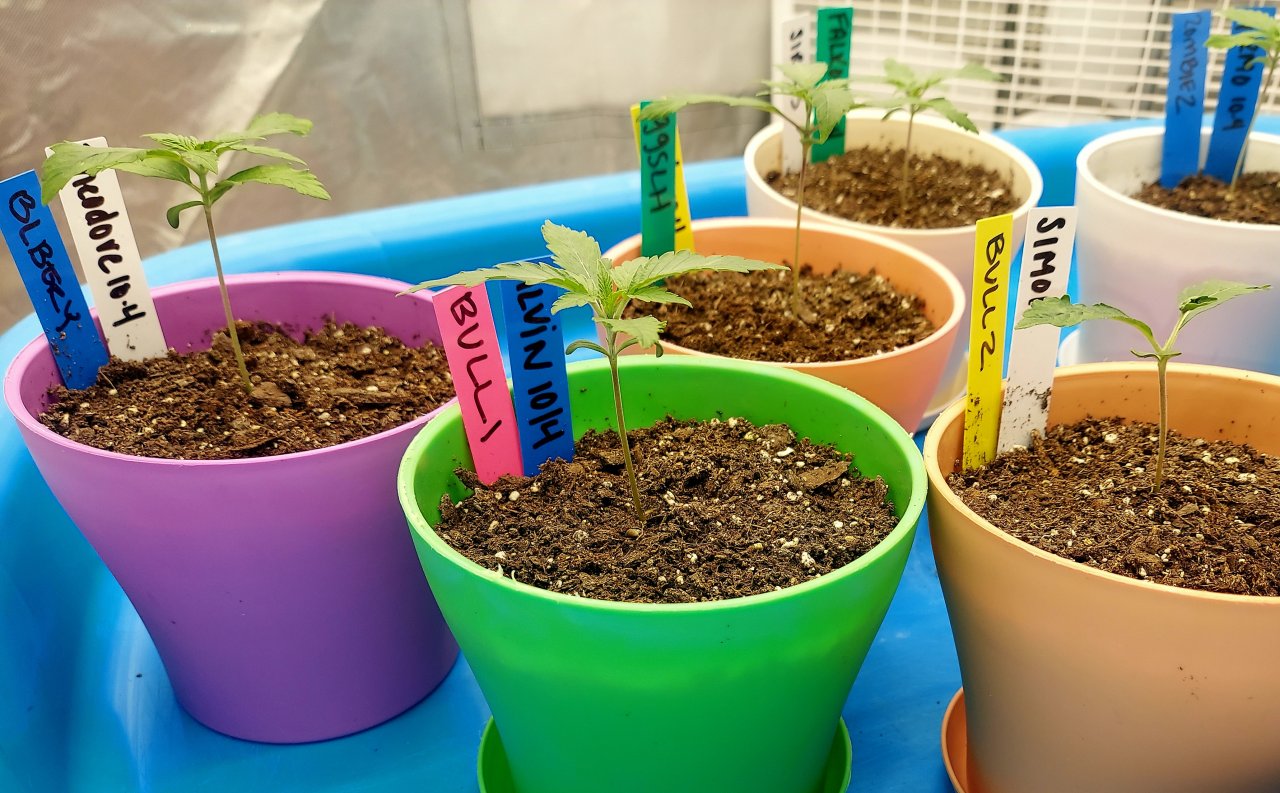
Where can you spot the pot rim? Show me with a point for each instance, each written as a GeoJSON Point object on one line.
{"type": "Point", "coordinates": [1086, 175]}
{"type": "Point", "coordinates": [1018, 157]}
{"type": "Point", "coordinates": [20, 364]}
{"type": "Point", "coordinates": [890, 431]}
{"type": "Point", "coordinates": [939, 488]}
{"type": "Point", "coordinates": [930, 263]}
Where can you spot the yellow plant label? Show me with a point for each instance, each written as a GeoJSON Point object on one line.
{"type": "Point", "coordinates": [992, 251]}
{"type": "Point", "coordinates": [652, 162]}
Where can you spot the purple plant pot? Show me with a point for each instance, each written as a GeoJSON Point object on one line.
{"type": "Point", "coordinates": [283, 593]}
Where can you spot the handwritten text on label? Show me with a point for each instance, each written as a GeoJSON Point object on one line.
{"type": "Point", "coordinates": [835, 28]}
{"type": "Point", "coordinates": [1184, 101]}
{"type": "Point", "coordinates": [991, 258]}
{"type": "Point", "coordinates": [1236, 100]}
{"type": "Point", "coordinates": [540, 384]}
{"type": "Point", "coordinates": [798, 47]}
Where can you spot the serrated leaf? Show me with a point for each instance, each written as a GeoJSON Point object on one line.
{"type": "Point", "coordinates": [831, 101]}
{"type": "Point", "coordinates": [1062, 313]}
{"type": "Point", "coordinates": [647, 270]}
{"type": "Point", "coordinates": [174, 211]}
{"type": "Point", "coordinates": [976, 71]}
{"type": "Point", "coordinates": [202, 162]}
{"type": "Point", "coordinates": [298, 180]}
{"type": "Point", "coordinates": [656, 294]}
{"type": "Point", "coordinates": [951, 113]}
{"type": "Point", "coordinates": [1205, 295]}
{"type": "Point", "coordinates": [173, 141]}
{"type": "Point", "coordinates": [161, 166]}
{"type": "Point", "coordinates": [576, 253]}
{"type": "Point", "coordinates": [673, 104]}
{"type": "Point", "coordinates": [1247, 38]}
{"type": "Point", "coordinates": [264, 151]}
{"type": "Point", "coordinates": [804, 75]}
{"type": "Point", "coordinates": [645, 330]}
{"type": "Point", "coordinates": [569, 300]}
{"type": "Point", "coordinates": [1257, 20]}
{"type": "Point", "coordinates": [529, 272]}
{"type": "Point", "coordinates": [69, 160]}
{"type": "Point", "coordinates": [268, 124]}
{"type": "Point", "coordinates": [898, 73]}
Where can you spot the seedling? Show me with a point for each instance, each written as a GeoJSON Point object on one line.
{"type": "Point", "coordinates": [194, 163]}
{"type": "Point", "coordinates": [590, 279]}
{"type": "Point", "coordinates": [825, 102]}
{"type": "Point", "coordinates": [1263, 33]}
{"type": "Point", "coordinates": [1192, 301]}
{"type": "Point", "coordinates": [909, 96]}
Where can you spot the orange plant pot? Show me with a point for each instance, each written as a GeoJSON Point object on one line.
{"type": "Point", "coordinates": [1079, 680]}
{"type": "Point", "coordinates": [899, 382]}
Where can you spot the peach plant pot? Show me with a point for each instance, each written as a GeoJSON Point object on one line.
{"type": "Point", "coordinates": [953, 247]}
{"type": "Point", "coordinates": [1078, 680]}
{"type": "Point", "coordinates": [898, 382]}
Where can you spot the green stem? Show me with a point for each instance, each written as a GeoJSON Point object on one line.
{"type": "Point", "coordinates": [222, 286]}
{"type": "Point", "coordinates": [1162, 365]}
{"type": "Point", "coordinates": [1257, 108]}
{"type": "Point", "coordinates": [797, 305]}
{"type": "Point", "coordinates": [903, 188]}
{"type": "Point", "coordinates": [612, 355]}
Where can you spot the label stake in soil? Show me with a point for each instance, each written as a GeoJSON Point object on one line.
{"type": "Point", "coordinates": [540, 383]}
{"type": "Point", "coordinates": [835, 28]}
{"type": "Point", "coordinates": [1242, 77]}
{"type": "Point", "coordinates": [1046, 266]}
{"type": "Point", "coordinates": [42, 261]}
{"type": "Point", "coordinates": [470, 343]}
{"type": "Point", "coordinates": [112, 266]}
{"type": "Point", "coordinates": [665, 223]}
{"type": "Point", "coordinates": [1184, 100]}
{"type": "Point", "coordinates": [797, 49]}
{"type": "Point", "coordinates": [991, 256]}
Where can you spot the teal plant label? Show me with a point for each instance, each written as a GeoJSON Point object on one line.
{"type": "Point", "coordinates": [42, 261]}
{"type": "Point", "coordinates": [657, 185]}
{"type": "Point", "coordinates": [835, 28]}
{"type": "Point", "coordinates": [540, 383]}
{"type": "Point", "coordinates": [1241, 81]}
{"type": "Point", "coordinates": [1184, 101]}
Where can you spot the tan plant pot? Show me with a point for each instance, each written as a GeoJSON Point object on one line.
{"type": "Point", "coordinates": [1082, 681]}
{"type": "Point", "coordinates": [899, 382]}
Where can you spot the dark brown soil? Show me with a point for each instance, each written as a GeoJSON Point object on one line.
{"type": "Point", "coordinates": [1085, 493]}
{"type": "Point", "coordinates": [749, 316]}
{"type": "Point", "coordinates": [1256, 199]}
{"type": "Point", "coordinates": [343, 383]}
{"type": "Point", "coordinates": [863, 184]}
{"type": "Point", "coordinates": [732, 510]}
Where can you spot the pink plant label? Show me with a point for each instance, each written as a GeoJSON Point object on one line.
{"type": "Point", "coordinates": [471, 344]}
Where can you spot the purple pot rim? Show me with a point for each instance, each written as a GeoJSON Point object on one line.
{"type": "Point", "coordinates": [26, 357]}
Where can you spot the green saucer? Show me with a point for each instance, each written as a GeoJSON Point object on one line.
{"type": "Point", "coordinates": [495, 774]}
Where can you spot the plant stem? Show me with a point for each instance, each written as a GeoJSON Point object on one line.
{"type": "Point", "coordinates": [1257, 107]}
{"type": "Point", "coordinates": [612, 355]}
{"type": "Point", "coordinates": [797, 305]}
{"type": "Point", "coordinates": [1162, 366]}
{"type": "Point", "coordinates": [222, 286]}
{"type": "Point", "coordinates": [906, 165]}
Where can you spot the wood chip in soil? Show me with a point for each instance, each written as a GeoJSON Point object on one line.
{"type": "Point", "coordinates": [748, 316]}
{"type": "Point", "coordinates": [1256, 199]}
{"type": "Point", "coordinates": [863, 185]}
{"type": "Point", "coordinates": [341, 383]}
{"type": "Point", "coordinates": [1084, 492]}
{"type": "Point", "coordinates": [731, 510]}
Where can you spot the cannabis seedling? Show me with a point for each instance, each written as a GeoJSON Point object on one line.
{"type": "Point", "coordinates": [1192, 301]}
{"type": "Point", "coordinates": [590, 279]}
{"type": "Point", "coordinates": [825, 102]}
{"type": "Point", "coordinates": [1265, 35]}
{"type": "Point", "coordinates": [909, 96]}
{"type": "Point", "coordinates": [194, 163]}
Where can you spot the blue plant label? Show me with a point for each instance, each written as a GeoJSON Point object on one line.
{"type": "Point", "coordinates": [1184, 103]}
{"type": "Point", "coordinates": [540, 383]}
{"type": "Point", "coordinates": [1241, 80]}
{"type": "Point", "coordinates": [42, 261]}
{"type": "Point", "coordinates": [835, 28]}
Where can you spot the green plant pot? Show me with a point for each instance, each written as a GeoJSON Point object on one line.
{"type": "Point", "coordinates": [739, 695]}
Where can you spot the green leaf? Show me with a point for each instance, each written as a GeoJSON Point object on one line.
{"type": "Point", "coordinates": [172, 141]}
{"type": "Point", "coordinates": [804, 75]}
{"type": "Point", "coordinates": [831, 101]}
{"type": "Point", "coordinates": [656, 294]}
{"type": "Point", "coordinates": [1061, 312]}
{"type": "Point", "coordinates": [300, 181]}
{"type": "Point", "coordinates": [1256, 20]}
{"type": "Point", "coordinates": [529, 272]}
{"type": "Point", "coordinates": [69, 160]}
{"type": "Point", "coordinates": [673, 104]}
{"type": "Point", "coordinates": [569, 300]}
{"type": "Point", "coordinates": [265, 151]}
{"type": "Point", "coordinates": [645, 330]}
{"type": "Point", "coordinates": [976, 71]}
{"type": "Point", "coordinates": [952, 113]}
{"type": "Point", "coordinates": [269, 124]}
{"type": "Point", "coordinates": [202, 162]}
{"type": "Point", "coordinates": [898, 74]}
{"type": "Point", "coordinates": [1245, 38]}
{"type": "Point", "coordinates": [647, 270]}
{"type": "Point", "coordinates": [174, 211]}
{"type": "Point", "coordinates": [576, 253]}
{"type": "Point", "coordinates": [219, 190]}
{"type": "Point", "coordinates": [1203, 296]}
{"type": "Point", "coordinates": [584, 344]}
{"type": "Point", "coordinates": [160, 167]}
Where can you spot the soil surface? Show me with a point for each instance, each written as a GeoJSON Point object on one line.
{"type": "Point", "coordinates": [731, 510]}
{"type": "Point", "coordinates": [1256, 199]}
{"type": "Point", "coordinates": [863, 185]}
{"type": "Point", "coordinates": [342, 383]}
{"type": "Point", "coordinates": [1085, 493]}
{"type": "Point", "coordinates": [748, 316]}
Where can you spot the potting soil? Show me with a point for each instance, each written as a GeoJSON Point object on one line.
{"type": "Point", "coordinates": [1256, 198]}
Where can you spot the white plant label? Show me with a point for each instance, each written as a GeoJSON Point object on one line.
{"type": "Point", "coordinates": [797, 47]}
{"type": "Point", "coordinates": [108, 253]}
{"type": "Point", "coordinates": [1046, 265]}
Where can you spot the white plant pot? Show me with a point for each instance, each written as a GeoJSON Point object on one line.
{"type": "Point", "coordinates": [1139, 257]}
{"type": "Point", "coordinates": [953, 247]}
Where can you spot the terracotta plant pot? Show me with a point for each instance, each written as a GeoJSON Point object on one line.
{"type": "Point", "coordinates": [898, 382]}
{"type": "Point", "coordinates": [282, 593]}
{"type": "Point", "coordinates": [1138, 257]}
{"type": "Point", "coordinates": [1080, 680]}
{"type": "Point", "coordinates": [739, 695]}
{"type": "Point", "coordinates": [953, 247]}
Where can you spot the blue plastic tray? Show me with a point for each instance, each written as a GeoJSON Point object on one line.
{"type": "Point", "coordinates": [84, 701]}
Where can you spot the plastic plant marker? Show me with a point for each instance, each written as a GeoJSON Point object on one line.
{"type": "Point", "coordinates": [540, 385]}
{"type": "Point", "coordinates": [798, 49]}
{"type": "Point", "coordinates": [1046, 265]}
{"type": "Point", "coordinates": [42, 261]}
{"type": "Point", "coordinates": [112, 266]}
{"type": "Point", "coordinates": [992, 252]}
{"type": "Point", "coordinates": [835, 28]}
{"type": "Point", "coordinates": [662, 178]}
{"type": "Point", "coordinates": [1184, 103]}
{"type": "Point", "coordinates": [471, 344]}
{"type": "Point", "coordinates": [1241, 81]}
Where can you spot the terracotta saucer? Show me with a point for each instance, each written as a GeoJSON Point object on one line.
{"type": "Point", "coordinates": [955, 743]}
